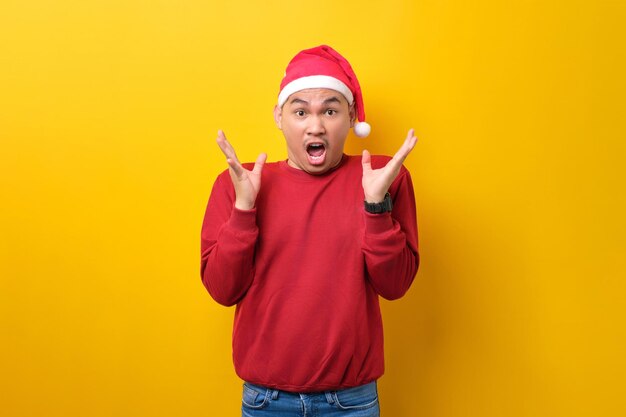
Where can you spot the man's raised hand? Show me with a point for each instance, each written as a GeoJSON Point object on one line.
{"type": "Point", "coordinates": [376, 182]}
{"type": "Point", "coordinates": [247, 183]}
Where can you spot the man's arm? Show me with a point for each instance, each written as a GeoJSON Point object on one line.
{"type": "Point", "coordinates": [229, 229]}
{"type": "Point", "coordinates": [390, 244]}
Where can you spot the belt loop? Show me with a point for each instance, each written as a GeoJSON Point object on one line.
{"type": "Point", "coordinates": [329, 397]}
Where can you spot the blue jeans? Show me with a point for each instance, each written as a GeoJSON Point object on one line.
{"type": "Point", "coordinates": [352, 402]}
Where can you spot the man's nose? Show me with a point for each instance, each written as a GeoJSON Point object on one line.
{"type": "Point", "coordinates": [315, 126]}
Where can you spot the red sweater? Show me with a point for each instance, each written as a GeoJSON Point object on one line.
{"type": "Point", "coordinates": [305, 268]}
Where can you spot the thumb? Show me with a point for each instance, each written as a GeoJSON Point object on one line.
{"type": "Point", "coordinates": [366, 160]}
{"type": "Point", "coordinates": [260, 161]}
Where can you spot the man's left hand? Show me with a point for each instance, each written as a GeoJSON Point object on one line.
{"type": "Point", "coordinates": [376, 182]}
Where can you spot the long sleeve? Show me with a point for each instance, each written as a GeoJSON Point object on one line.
{"type": "Point", "coordinates": [390, 244]}
{"type": "Point", "coordinates": [228, 242]}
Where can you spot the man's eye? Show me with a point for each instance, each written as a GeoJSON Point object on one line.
{"type": "Point", "coordinates": [300, 112]}
{"type": "Point", "coordinates": [331, 112]}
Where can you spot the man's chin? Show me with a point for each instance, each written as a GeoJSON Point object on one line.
{"type": "Point", "coordinates": [313, 166]}
{"type": "Point", "coordinates": [318, 169]}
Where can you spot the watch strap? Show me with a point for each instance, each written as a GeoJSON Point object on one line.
{"type": "Point", "coordinates": [377, 208]}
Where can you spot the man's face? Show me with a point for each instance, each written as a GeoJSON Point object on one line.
{"type": "Point", "coordinates": [315, 123]}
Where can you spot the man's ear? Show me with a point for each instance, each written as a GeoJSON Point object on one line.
{"type": "Point", "coordinates": [278, 115]}
{"type": "Point", "coordinates": [352, 115]}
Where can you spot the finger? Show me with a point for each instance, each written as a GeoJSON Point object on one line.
{"type": "Point", "coordinates": [411, 133]}
{"type": "Point", "coordinates": [223, 143]}
{"type": "Point", "coordinates": [409, 142]}
{"type": "Point", "coordinates": [411, 138]}
{"type": "Point", "coordinates": [260, 161]}
{"type": "Point", "coordinates": [405, 149]}
{"type": "Point", "coordinates": [225, 146]}
{"type": "Point", "coordinates": [366, 160]}
{"type": "Point", "coordinates": [236, 168]}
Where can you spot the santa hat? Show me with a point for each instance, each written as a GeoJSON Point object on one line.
{"type": "Point", "coordinates": [323, 67]}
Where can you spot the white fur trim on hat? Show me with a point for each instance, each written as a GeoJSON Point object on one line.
{"type": "Point", "coordinates": [314, 81]}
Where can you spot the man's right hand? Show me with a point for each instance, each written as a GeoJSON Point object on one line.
{"type": "Point", "coordinates": [247, 183]}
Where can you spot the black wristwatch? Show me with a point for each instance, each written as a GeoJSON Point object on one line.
{"type": "Point", "coordinates": [377, 208]}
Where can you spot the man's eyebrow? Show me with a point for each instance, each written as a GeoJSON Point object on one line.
{"type": "Point", "coordinates": [329, 100]}
{"type": "Point", "coordinates": [298, 101]}
{"type": "Point", "coordinates": [333, 99]}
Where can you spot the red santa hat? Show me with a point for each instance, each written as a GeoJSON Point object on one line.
{"type": "Point", "coordinates": [323, 67]}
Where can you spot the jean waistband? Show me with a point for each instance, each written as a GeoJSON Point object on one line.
{"type": "Point", "coordinates": [329, 394]}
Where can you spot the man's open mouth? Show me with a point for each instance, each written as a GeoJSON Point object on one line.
{"type": "Point", "coordinates": [316, 152]}
{"type": "Point", "coordinates": [315, 149]}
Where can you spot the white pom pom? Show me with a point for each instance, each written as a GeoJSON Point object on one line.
{"type": "Point", "coordinates": [362, 129]}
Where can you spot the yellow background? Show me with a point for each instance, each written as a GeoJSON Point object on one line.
{"type": "Point", "coordinates": [108, 114]}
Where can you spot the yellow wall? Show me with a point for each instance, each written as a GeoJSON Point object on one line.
{"type": "Point", "coordinates": [108, 113]}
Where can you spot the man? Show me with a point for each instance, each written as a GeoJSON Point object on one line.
{"type": "Point", "coordinates": [304, 248]}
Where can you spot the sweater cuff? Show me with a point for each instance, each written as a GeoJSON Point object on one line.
{"type": "Point", "coordinates": [243, 220]}
{"type": "Point", "coordinates": [378, 223]}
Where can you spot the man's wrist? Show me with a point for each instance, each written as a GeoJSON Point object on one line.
{"type": "Point", "coordinates": [384, 206]}
{"type": "Point", "coordinates": [241, 205]}
{"type": "Point", "coordinates": [374, 199]}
